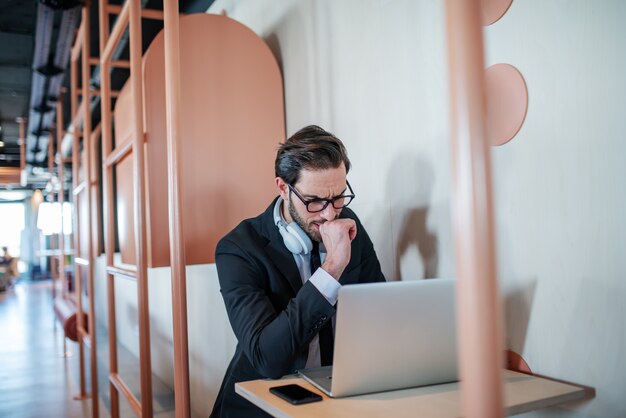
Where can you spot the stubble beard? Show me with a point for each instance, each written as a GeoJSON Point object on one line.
{"type": "Point", "coordinates": [313, 234]}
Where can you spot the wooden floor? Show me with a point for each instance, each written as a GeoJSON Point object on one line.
{"type": "Point", "coordinates": [35, 379]}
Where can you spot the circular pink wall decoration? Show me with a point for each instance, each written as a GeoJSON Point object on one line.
{"type": "Point", "coordinates": [493, 10]}
{"type": "Point", "coordinates": [507, 102]}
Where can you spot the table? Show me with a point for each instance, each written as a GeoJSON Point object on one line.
{"type": "Point", "coordinates": [522, 393]}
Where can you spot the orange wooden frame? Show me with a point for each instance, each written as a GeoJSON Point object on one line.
{"type": "Point", "coordinates": [75, 191]}
{"type": "Point", "coordinates": [129, 15]}
{"type": "Point", "coordinates": [86, 334]}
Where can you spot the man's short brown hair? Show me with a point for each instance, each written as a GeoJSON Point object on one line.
{"type": "Point", "coordinates": [311, 148]}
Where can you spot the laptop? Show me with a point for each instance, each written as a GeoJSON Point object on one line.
{"type": "Point", "coordinates": [390, 336]}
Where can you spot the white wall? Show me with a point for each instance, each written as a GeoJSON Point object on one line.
{"type": "Point", "coordinates": [374, 72]}
{"type": "Point", "coordinates": [561, 194]}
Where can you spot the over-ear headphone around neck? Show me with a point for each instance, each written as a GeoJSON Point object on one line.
{"type": "Point", "coordinates": [295, 239]}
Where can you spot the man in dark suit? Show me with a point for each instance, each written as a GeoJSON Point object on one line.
{"type": "Point", "coordinates": [280, 272]}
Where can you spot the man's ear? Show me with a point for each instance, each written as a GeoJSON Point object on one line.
{"type": "Point", "coordinates": [282, 187]}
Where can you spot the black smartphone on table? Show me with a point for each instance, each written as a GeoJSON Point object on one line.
{"type": "Point", "coordinates": [295, 394]}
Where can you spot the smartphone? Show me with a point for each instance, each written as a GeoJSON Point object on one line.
{"type": "Point", "coordinates": [295, 394]}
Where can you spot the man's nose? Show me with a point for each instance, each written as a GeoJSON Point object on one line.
{"type": "Point", "coordinates": [329, 213]}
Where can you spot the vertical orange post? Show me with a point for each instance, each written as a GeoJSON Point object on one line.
{"type": "Point", "coordinates": [177, 239]}
{"type": "Point", "coordinates": [74, 73]}
{"type": "Point", "coordinates": [61, 195]}
{"type": "Point", "coordinates": [80, 319]}
{"type": "Point", "coordinates": [140, 206]}
{"type": "Point", "coordinates": [86, 75]}
{"type": "Point", "coordinates": [480, 352]}
{"type": "Point", "coordinates": [107, 193]}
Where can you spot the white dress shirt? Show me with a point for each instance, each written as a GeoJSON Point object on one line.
{"type": "Point", "coordinates": [327, 286]}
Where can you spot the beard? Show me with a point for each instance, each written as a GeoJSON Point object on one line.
{"type": "Point", "coordinates": [310, 231]}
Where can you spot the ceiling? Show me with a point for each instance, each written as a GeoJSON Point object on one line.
{"type": "Point", "coordinates": [17, 26]}
{"type": "Point", "coordinates": [35, 42]}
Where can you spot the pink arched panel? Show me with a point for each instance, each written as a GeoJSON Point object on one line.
{"type": "Point", "coordinates": [232, 114]}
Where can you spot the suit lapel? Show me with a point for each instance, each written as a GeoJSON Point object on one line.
{"type": "Point", "coordinates": [278, 253]}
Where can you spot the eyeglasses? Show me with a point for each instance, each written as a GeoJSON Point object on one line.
{"type": "Point", "coordinates": [318, 204]}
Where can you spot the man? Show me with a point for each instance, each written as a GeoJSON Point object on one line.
{"type": "Point", "coordinates": [7, 269]}
{"type": "Point", "coordinates": [279, 301]}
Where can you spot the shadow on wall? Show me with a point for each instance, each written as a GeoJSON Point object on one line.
{"type": "Point", "coordinates": [273, 43]}
{"type": "Point", "coordinates": [409, 188]}
{"type": "Point", "coordinates": [518, 304]}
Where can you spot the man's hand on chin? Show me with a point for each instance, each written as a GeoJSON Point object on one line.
{"type": "Point", "coordinates": [337, 236]}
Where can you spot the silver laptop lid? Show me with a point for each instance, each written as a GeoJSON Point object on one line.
{"type": "Point", "coordinates": [394, 335]}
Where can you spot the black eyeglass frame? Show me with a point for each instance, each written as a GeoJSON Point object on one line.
{"type": "Point", "coordinates": [321, 199]}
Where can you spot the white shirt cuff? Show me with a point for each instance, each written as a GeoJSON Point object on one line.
{"type": "Point", "coordinates": [326, 284]}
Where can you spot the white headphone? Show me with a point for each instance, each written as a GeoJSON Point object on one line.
{"type": "Point", "coordinates": [295, 239]}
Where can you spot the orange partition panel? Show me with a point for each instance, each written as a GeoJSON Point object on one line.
{"type": "Point", "coordinates": [96, 213]}
{"type": "Point", "coordinates": [82, 209]}
{"type": "Point", "coordinates": [232, 114]}
{"type": "Point", "coordinates": [123, 113]}
{"type": "Point", "coordinates": [124, 209]}
{"type": "Point", "coordinates": [123, 187]}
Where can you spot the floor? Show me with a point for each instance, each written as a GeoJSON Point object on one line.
{"type": "Point", "coordinates": [37, 380]}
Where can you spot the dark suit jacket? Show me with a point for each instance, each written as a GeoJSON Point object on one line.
{"type": "Point", "coordinates": [273, 315]}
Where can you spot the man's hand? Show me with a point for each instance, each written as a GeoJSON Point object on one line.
{"type": "Point", "coordinates": [337, 236]}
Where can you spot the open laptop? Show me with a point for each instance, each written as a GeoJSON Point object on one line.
{"type": "Point", "coordinates": [391, 336]}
